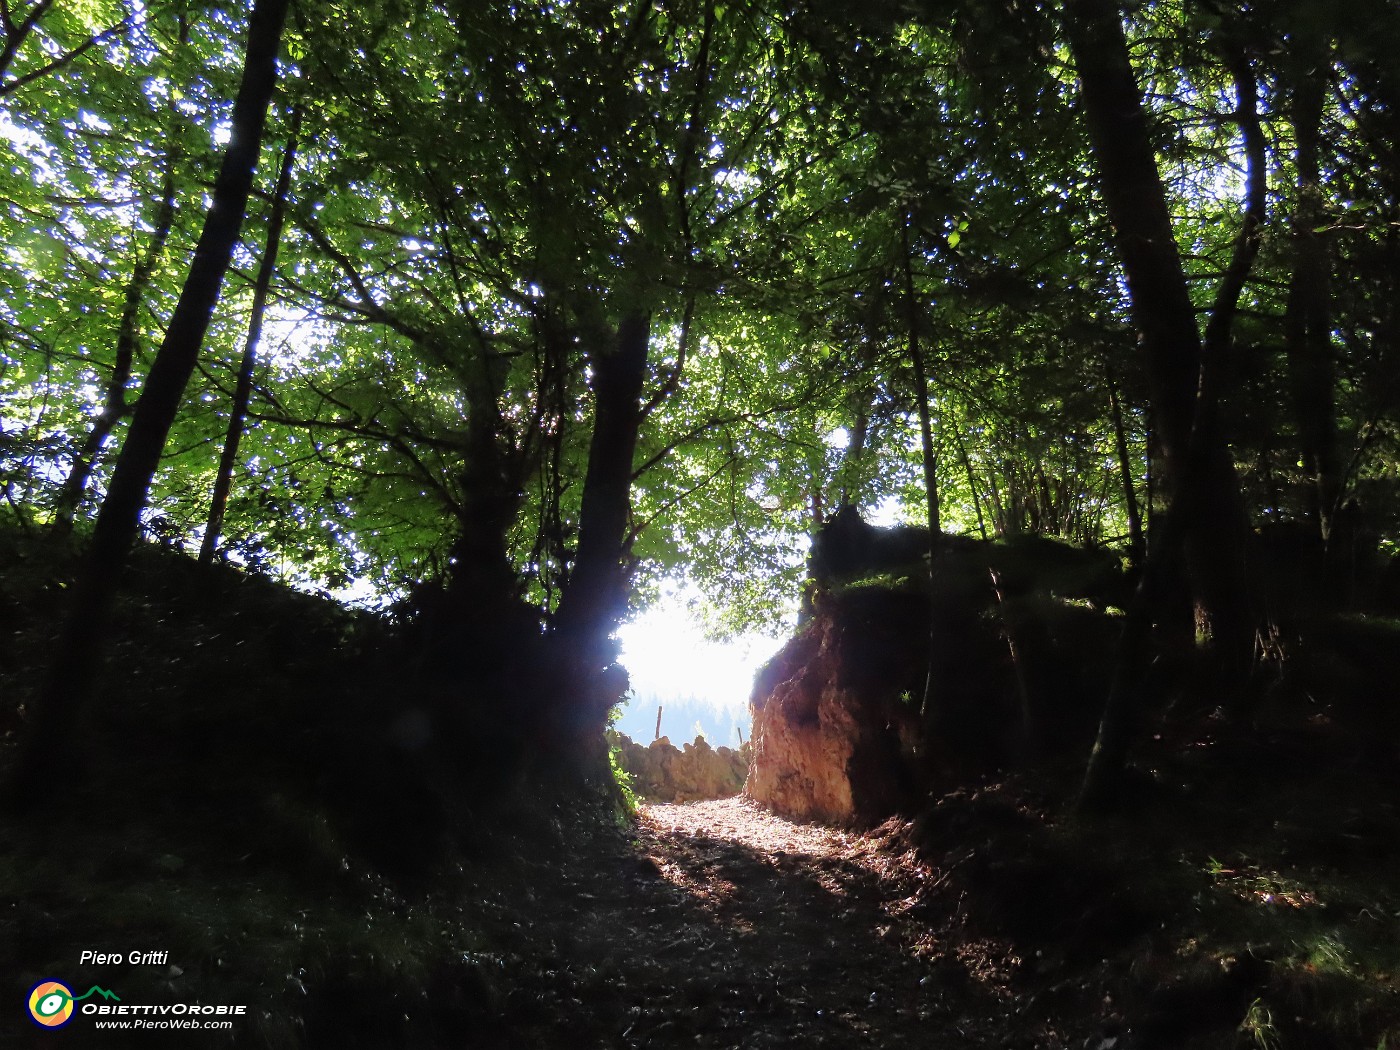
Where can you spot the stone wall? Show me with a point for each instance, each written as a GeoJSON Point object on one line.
{"type": "Point", "coordinates": [662, 773]}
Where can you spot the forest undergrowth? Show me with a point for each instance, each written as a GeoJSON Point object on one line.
{"type": "Point", "coordinates": [248, 808]}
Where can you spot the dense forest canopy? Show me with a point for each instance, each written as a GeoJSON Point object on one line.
{"type": "Point", "coordinates": [557, 299]}
{"type": "Point", "coordinates": [507, 319]}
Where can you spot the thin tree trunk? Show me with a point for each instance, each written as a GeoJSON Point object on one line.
{"type": "Point", "coordinates": [238, 411]}
{"type": "Point", "coordinates": [854, 454]}
{"type": "Point", "coordinates": [1137, 548]}
{"type": "Point", "coordinates": [1219, 329]}
{"type": "Point", "coordinates": [916, 359]}
{"type": "Point", "coordinates": [971, 482]}
{"type": "Point", "coordinates": [74, 671]}
{"type": "Point", "coordinates": [927, 708]}
{"type": "Point", "coordinates": [1047, 517]}
{"type": "Point", "coordinates": [115, 407]}
{"type": "Point", "coordinates": [1018, 666]}
{"type": "Point", "coordinates": [998, 508]}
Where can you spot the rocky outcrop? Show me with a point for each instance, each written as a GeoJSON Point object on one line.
{"type": "Point", "coordinates": [834, 720]}
{"type": "Point", "coordinates": [661, 773]}
{"type": "Point", "coordinates": [1012, 646]}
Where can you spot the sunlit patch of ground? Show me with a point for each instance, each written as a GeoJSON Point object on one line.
{"type": "Point", "coordinates": [744, 822]}
{"type": "Point", "coordinates": [851, 924]}
{"type": "Point", "coordinates": [1253, 885]}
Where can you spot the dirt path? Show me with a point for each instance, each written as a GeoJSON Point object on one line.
{"type": "Point", "coordinates": [721, 925]}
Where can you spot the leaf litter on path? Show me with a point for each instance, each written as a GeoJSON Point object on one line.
{"type": "Point", "coordinates": [720, 924]}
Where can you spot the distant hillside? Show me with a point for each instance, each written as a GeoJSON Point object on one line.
{"type": "Point", "coordinates": [684, 718]}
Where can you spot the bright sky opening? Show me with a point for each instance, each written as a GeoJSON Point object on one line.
{"type": "Point", "coordinates": [702, 685]}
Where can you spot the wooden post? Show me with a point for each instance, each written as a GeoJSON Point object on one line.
{"type": "Point", "coordinates": [658, 722]}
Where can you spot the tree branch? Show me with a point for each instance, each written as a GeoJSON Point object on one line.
{"type": "Point", "coordinates": [58, 63]}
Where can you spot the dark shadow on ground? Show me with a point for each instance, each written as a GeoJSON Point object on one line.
{"type": "Point", "coordinates": [698, 939]}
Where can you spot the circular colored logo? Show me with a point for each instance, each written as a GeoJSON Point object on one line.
{"type": "Point", "coordinates": [51, 1004]}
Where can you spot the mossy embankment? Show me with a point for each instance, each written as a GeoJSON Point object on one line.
{"type": "Point", "coordinates": [254, 791]}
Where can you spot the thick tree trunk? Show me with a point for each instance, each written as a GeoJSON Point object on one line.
{"type": "Point", "coordinates": [1122, 717]}
{"type": "Point", "coordinates": [481, 639]}
{"type": "Point", "coordinates": [243, 392]}
{"type": "Point", "coordinates": [1307, 319]}
{"type": "Point", "coordinates": [78, 658]}
{"type": "Point", "coordinates": [484, 609]}
{"type": "Point", "coordinates": [477, 665]}
{"type": "Point", "coordinates": [1217, 533]}
{"type": "Point", "coordinates": [1137, 207]}
{"type": "Point", "coordinates": [1202, 492]}
{"type": "Point", "coordinates": [594, 601]}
